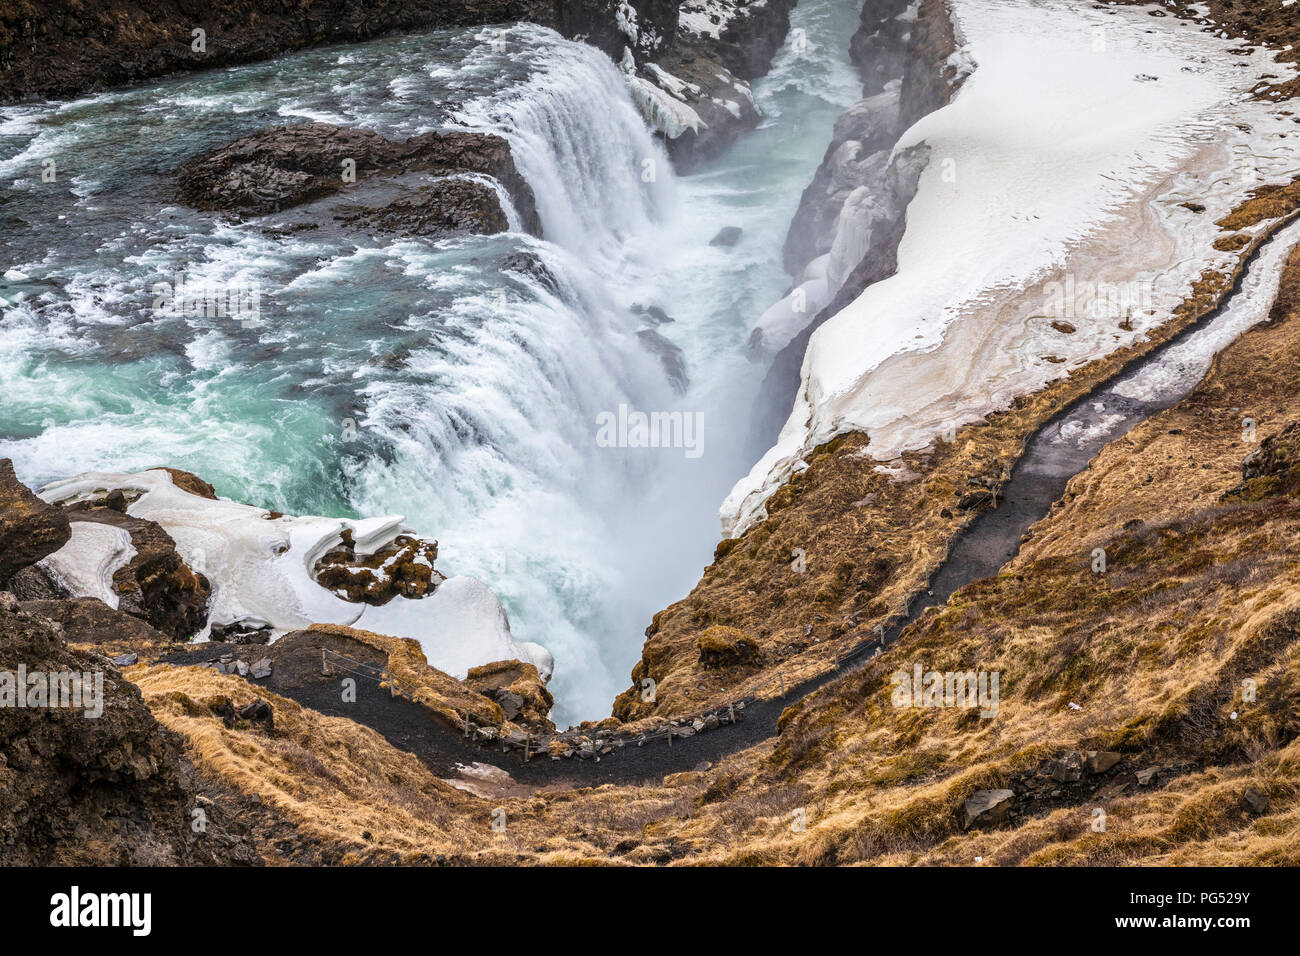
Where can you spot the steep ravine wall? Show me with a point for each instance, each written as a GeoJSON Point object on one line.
{"type": "Point", "coordinates": [739, 594]}
{"type": "Point", "coordinates": [859, 195]}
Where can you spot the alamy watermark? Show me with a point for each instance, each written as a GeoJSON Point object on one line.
{"type": "Point", "coordinates": [57, 690]}
{"type": "Point", "coordinates": [234, 300]}
{"type": "Point", "coordinates": [629, 428]}
{"type": "Point", "coordinates": [1072, 299]}
{"type": "Point", "coordinates": [968, 689]}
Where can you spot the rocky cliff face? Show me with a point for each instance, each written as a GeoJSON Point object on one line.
{"type": "Point", "coordinates": [87, 775]}
{"type": "Point", "coordinates": [59, 48]}
{"type": "Point", "coordinates": [647, 27]}
{"type": "Point", "coordinates": [878, 47]}
{"type": "Point", "coordinates": [29, 528]}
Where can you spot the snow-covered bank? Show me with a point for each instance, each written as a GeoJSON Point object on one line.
{"type": "Point", "coordinates": [260, 567]}
{"type": "Point", "coordinates": [1057, 177]}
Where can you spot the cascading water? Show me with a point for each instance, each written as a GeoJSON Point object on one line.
{"type": "Point", "coordinates": [440, 380]}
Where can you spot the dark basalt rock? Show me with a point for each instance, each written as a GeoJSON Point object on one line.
{"type": "Point", "coordinates": [596, 22]}
{"type": "Point", "coordinates": [91, 621]}
{"type": "Point", "coordinates": [156, 585]}
{"type": "Point", "coordinates": [670, 357]}
{"type": "Point", "coordinates": [879, 47]}
{"type": "Point", "coordinates": [529, 264]}
{"type": "Point", "coordinates": [399, 186]}
{"type": "Point", "coordinates": [727, 236]}
{"type": "Point", "coordinates": [59, 48]}
{"type": "Point", "coordinates": [30, 529]}
{"type": "Point", "coordinates": [753, 35]}
{"type": "Point", "coordinates": [77, 790]}
{"type": "Point", "coordinates": [447, 207]}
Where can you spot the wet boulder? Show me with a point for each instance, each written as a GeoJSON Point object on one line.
{"type": "Point", "coordinates": [429, 185]}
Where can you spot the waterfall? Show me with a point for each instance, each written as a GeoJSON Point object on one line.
{"type": "Point", "coordinates": [577, 139]}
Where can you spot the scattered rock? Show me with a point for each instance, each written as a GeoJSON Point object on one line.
{"type": "Point", "coordinates": [988, 807]}
{"type": "Point", "coordinates": [1147, 776]}
{"type": "Point", "coordinates": [260, 670]}
{"type": "Point", "coordinates": [1099, 761]}
{"type": "Point", "coordinates": [1069, 768]}
{"type": "Point", "coordinates": [727, 236]}
{"type": "Point", "coordinates": [1255, 802]}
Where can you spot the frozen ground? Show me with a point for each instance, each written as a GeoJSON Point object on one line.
{"type": "Point", "coordinates": [1054, 194]}
{"type": "Point", "coordinates": [259, 567]}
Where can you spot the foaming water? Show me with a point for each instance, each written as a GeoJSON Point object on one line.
{"type": "Point", "coordinates": [440, 380]}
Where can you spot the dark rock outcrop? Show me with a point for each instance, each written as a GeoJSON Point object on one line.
{"type": "Point", "coordinates": [91, 621]}
{"type": "Point", "coordinates": [30, 529]}
{"type": "Point", "coordinates": [931, 75]}
{"type": "Point", "coordinates": [518, 689]}
{"type": "Point", "coordinates": [670, 357]}
{"type": "Point", "coordinates": [156, 585]}
{"type": "Point", "coordinates": [403, 567]}
{"type": "Point", "coordinates": [752, 36]}
{"type": "Point", "coordinates": [597, 22]}
{"type": "Point", "coordinates": [111, 789]}
{"type": "Point", "coordinates": [392, 189]}
{"type": "Point", "coordinates": [879, 46]}
{"type": "Point", "coordinates": [58, 48]}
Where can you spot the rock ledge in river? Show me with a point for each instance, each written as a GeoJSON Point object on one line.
{"type": "Point", "coordinates": [430, 184]}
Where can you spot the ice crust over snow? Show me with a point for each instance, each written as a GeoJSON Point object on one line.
{"type": "Point", "coordinates": [259, 567]}
{"type": "Point", "coordinates": [85, 565]}
{"type": "Point", "coordinates": [1059, 158]}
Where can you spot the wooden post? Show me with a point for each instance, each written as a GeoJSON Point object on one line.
{"type": "Point", "coordinates": [324, 664]}
{"type": "Point", "coordinates": [837, 658]}
{"type": "Point", "coordinates": [781, 674]}
{"type": "Point", "coordinates": [528, 744]}
{"type": "Point", "coordinates": [731, 709]}
{"type": "Point", "coordinates": [467, 723]}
